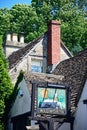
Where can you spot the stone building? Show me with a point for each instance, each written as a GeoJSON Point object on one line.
{"type": "Point", "coordinates": [48, 54]}
{"type": "Point", "coordinates": [41, 55]}
{"type": "Point", "coordinates": [13, 43]}
{"type": "Point", "coordinates": [72, 72]}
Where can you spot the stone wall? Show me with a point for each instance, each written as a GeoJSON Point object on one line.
{"type": "Point", "coordinates": [37, 53]}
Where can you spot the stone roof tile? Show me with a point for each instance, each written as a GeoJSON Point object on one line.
{"type": "Point", "coordinates": [16, 56]}
{"type": "Point", "coordinates": [74, 71]}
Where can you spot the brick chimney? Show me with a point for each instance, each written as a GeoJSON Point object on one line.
{"type": "Point", "coordinates": [53, 42]}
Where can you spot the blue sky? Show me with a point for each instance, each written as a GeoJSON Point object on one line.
{"type": "Point", "coordinates": [10, 3]}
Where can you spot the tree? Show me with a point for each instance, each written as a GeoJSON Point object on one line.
{"type": "Point", "coordinates": [5, 81]}
{"type": "Point", "coordinates": [73, 28]}
{"type": "Point", "coordinates": [82, 4]}
{"type": "Point", "coordinates": [24, 19]}
{"type": "Point", "coordinates": [32, 20]}
{"type": "Point", "coordinates": [5, 17]}
{"type": "Point", "coordinates": [72, 19]}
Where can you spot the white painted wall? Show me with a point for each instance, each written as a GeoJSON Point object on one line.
{"type": "Point", "coordinates": [14, 37]}
{"type": "Point", "coordinates": [65, 126]}
{"type": "Point", "coordinates": [25, 64]}
{"type": "Point", "coordinates": [80, 122]}
{"type": "Point", "coordinates": [8, 37]}
{"type": "Point", "coordinates": [22, 65]}
{"type": "Point", "coordinates": [63, 55]}
{"type": "Point", "coordinates": [22, 104]}
{"type": "Point", "coordinates": [10, 50]}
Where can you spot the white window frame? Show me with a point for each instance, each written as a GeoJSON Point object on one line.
{"type": "Point", "coordinates": [37, 63]}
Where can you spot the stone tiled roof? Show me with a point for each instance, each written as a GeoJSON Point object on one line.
{"type": "Point", "coordinates": [16, 56]}
{"type": "Point", "coordinates": [42, 77]}
{"type": "Point", "coordinates": [74, 71]}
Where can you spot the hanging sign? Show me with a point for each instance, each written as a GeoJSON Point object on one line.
{"type": "Point", "coordinates": [50, 99]}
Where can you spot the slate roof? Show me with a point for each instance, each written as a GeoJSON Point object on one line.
{"type": "Point", "coordinates": [42, 77]}
{"type": "Point", "coordinates": [16, 56]}
{"type": "Point", "coordinates": [74, 71]}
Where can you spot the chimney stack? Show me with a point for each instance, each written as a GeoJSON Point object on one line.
{"type": "Point", "coordinates": [21, 40]}
{"type": "Point", "coordinates": [53, 42]}
{"type": "Point", "coordinates": [14, 37]}
{"type": "Point", "coordinates": [8, 37]}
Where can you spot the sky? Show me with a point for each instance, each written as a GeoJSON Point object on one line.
{"type": "Point", "coordinates": [9, 3]}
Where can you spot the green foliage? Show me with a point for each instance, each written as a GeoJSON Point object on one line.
{"type": "Point", "coordinates": [5, 17]}
{"type": "Point", "coordinates": [6, 86]}
{"type": "Point", "coordinates": [1, 126]}
{"type": "Point", "coordinates": [73, 28]}
{"type": "Point", "coordinates": [32, 20]}
{"type": "Point", "coordinates": [24, 19]}
{"type": "Point", "coordinates": [82, 4]}
{"type": "Point", "coordinates": [19, 79]}
{"type": "Point", "coordinates": [9, 102]}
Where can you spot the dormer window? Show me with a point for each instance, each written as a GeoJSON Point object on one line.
{"type": "Point", "coordinates": [36, 65]}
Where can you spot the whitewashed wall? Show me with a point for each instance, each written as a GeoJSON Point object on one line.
{"type": "Point", "coordinates": [80, 122]}
{"type": "Point", "coordinates": [22, 104]}
{"type": "Point", "coordinates": [10, 50]}
{"type": "Point", "coordinates": [63, 55]}
{"type": "Point", "coordinates": [65, 126]}
{"type": "Point", "coordinates": [38, 52]}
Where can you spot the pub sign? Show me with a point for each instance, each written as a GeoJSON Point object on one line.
{"type": "Point", "coordinates": [50, 99]}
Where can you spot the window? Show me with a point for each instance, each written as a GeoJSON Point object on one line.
{"type": "Point", "coordinates": [36, 66]}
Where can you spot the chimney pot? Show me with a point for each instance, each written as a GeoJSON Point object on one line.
{"type": "Point", "coordinates": [8, 37]}
{"type": "Point", "coordinates": [21, 40]}
{"type": "Point", "coordinates": [14, 37]}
